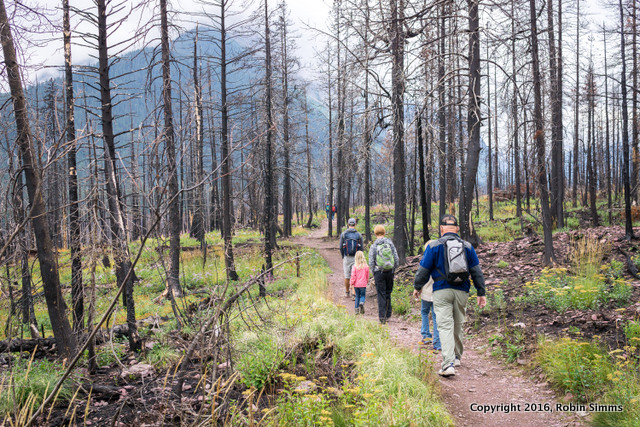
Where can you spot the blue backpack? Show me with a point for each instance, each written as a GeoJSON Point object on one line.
{"type": "Point", "coordinates": [351, 243]}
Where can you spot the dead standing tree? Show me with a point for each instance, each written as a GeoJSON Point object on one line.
{"type": "Point", "coordinates": [225, 60]}
{"type": "Point", "coordinates": [46, 255]}
{"type": "Point", "coordinates": [397, 36]}
{"type": "Point", "coordinates": [625, 132]}
{"type": "Point", "coordinates": [197, 229]}
{"type": "Point", "coordinates": [122, 256]}
{"type": "Point", "coordinates": [269, 208]}
{"type": "Point", "coordinates": [539, 138]}
{"type": "Point", "coordinates": [227, 206]}
{"type": "Point", "coordinates": [77, 290]}
{"type": "Point", "coordinates": [473, 126]}
{"type": "Point", "coordinates": [173, 279]}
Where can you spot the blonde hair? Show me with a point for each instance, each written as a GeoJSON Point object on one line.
{"type": "Point", "coordinates": [360, 261]}
{"type": "Point", "coordinates": [379, 230]}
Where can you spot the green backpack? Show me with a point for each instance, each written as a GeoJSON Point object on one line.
{"type": "Point", "coordinates": [384, 256]}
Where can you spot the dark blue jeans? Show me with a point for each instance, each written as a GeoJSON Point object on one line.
{"type": "Point", "coordinates": [384, 286]}
{"type": "Point", "coordinates": [360, 294]}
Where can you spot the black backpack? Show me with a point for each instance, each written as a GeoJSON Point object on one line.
{"type": "Point", "coordinates": [351, 243]}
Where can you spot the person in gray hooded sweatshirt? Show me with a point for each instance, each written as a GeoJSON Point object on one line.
{"type": "Point", "coordinates": [383, 260]}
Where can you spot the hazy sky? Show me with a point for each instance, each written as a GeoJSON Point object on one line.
{"type": "Point", "coordinates": [44, 61]}
{"type": "Point", "coordinates": [305, 14]}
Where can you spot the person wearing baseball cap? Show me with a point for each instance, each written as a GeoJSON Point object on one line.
{"type": "Point", "coordinates": [442, 261]}
{"type": "Point", "coordinates": [350, 243]}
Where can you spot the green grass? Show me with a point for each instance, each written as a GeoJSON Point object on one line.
{"type": "Point", "coordinates": [577, 367]}
{"type": "Point", "coordinates": [162, 356]}
{"type": "Point", "coordinates": [386, 387]}
{"type": "Point", "coordinates": [593, 375]}
{"type": "Point", "coordinates": [402, 298]}
{"type": "Point", "coordinates": [27, 383]}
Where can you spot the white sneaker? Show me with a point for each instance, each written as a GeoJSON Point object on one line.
{"type": "Point", "coordinates": [456, 363]}
{"type": "Point", "coordinates": [449, 371]}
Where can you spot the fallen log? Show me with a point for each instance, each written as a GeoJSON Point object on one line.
{"type": "Point", "coordinates": [18, 344]}
{"type": "Point", "coordinates": [100, 391]}
{"type": "Point", "coordinates": [631, 266]}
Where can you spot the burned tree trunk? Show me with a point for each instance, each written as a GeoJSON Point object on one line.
{"type": "Point", "coordinates": [539, 138]}
{"type": "Point", "coordinates": [46, 255]}
{"type": "Point", "coordinates": [77, 290]}
{"type": "Point", "coordinates": [227, 200]}
{"type": "Point", "coordinates": [557, 210]}
{"type": "Point", "coordinates": [308, 152]}
{"type": "Point", "coordinates": [397, 35]}
{"type": "Point", "coordinates": [268, 178]}
{"type": "Point", "coordinates": [120, 248]}
{"type": "Point", "coordinates": [423, 185]}
{"type": "Point", "coordinates": [442, 123]}
{"type": "Point", "coordinates": [473, 125]}
{"type": "Point", "coordinates": [173, 279]}
{"type": "Point", "coordinates": [489, 158]}
{"type": "Point", "coordinates": [591, 151]}
{"type": "Point", "coordinates": [197, 229]}
{"type": "Point", "coordinates": [628, 226]}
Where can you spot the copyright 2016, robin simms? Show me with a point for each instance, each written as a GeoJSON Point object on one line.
{"type": "Point", "coordinates": [543, 407]}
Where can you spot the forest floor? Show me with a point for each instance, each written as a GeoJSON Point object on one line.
{"type": "Point", "coordinates": [481, 379]}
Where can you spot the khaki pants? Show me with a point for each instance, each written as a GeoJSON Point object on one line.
{"type": "Point", "coordinates": [449, 306]}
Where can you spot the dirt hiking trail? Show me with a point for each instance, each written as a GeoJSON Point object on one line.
{"type": "Point", "coordinates": [480, 380]}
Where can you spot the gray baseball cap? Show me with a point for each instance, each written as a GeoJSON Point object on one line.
{"type": "Point", "coordinates": [352, 221]}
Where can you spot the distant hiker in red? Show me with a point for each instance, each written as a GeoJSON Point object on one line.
{"type": "Point", "coordinates": [359, 279]}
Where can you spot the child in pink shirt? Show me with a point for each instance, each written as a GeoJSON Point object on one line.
{"type": "Point", "coordinates": [359, 279]}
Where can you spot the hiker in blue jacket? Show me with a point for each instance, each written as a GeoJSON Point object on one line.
{"type": "Point", "coordinates": [450, 287]}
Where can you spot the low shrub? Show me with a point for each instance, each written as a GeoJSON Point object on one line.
{"type": "Point", "coordinates": [260, 358]}
{"type": "Point", "coordinates": [595, 377]}
{"type": "Point", "coordinates": [579, 367]}
{"type": "Point", "coordinates": [632, 333]}
{"type": "Point", "coordinates": [162, 356]}
{"type": "Point", "coordinates": [400, 301]}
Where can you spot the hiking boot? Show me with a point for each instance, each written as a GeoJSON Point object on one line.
{"type": "Point", "coordinates": [456, 362]}
{"type": "Point", "coordinates": [347, 294]}
{"type": "Point", "coordinates": [426, 341]}
{"type": "Point", "coordinates": [449, 371]}
{"type": "Point", "coordinates": [361, 307]}
{"type": "Point", "coordinates": [383, 321]}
